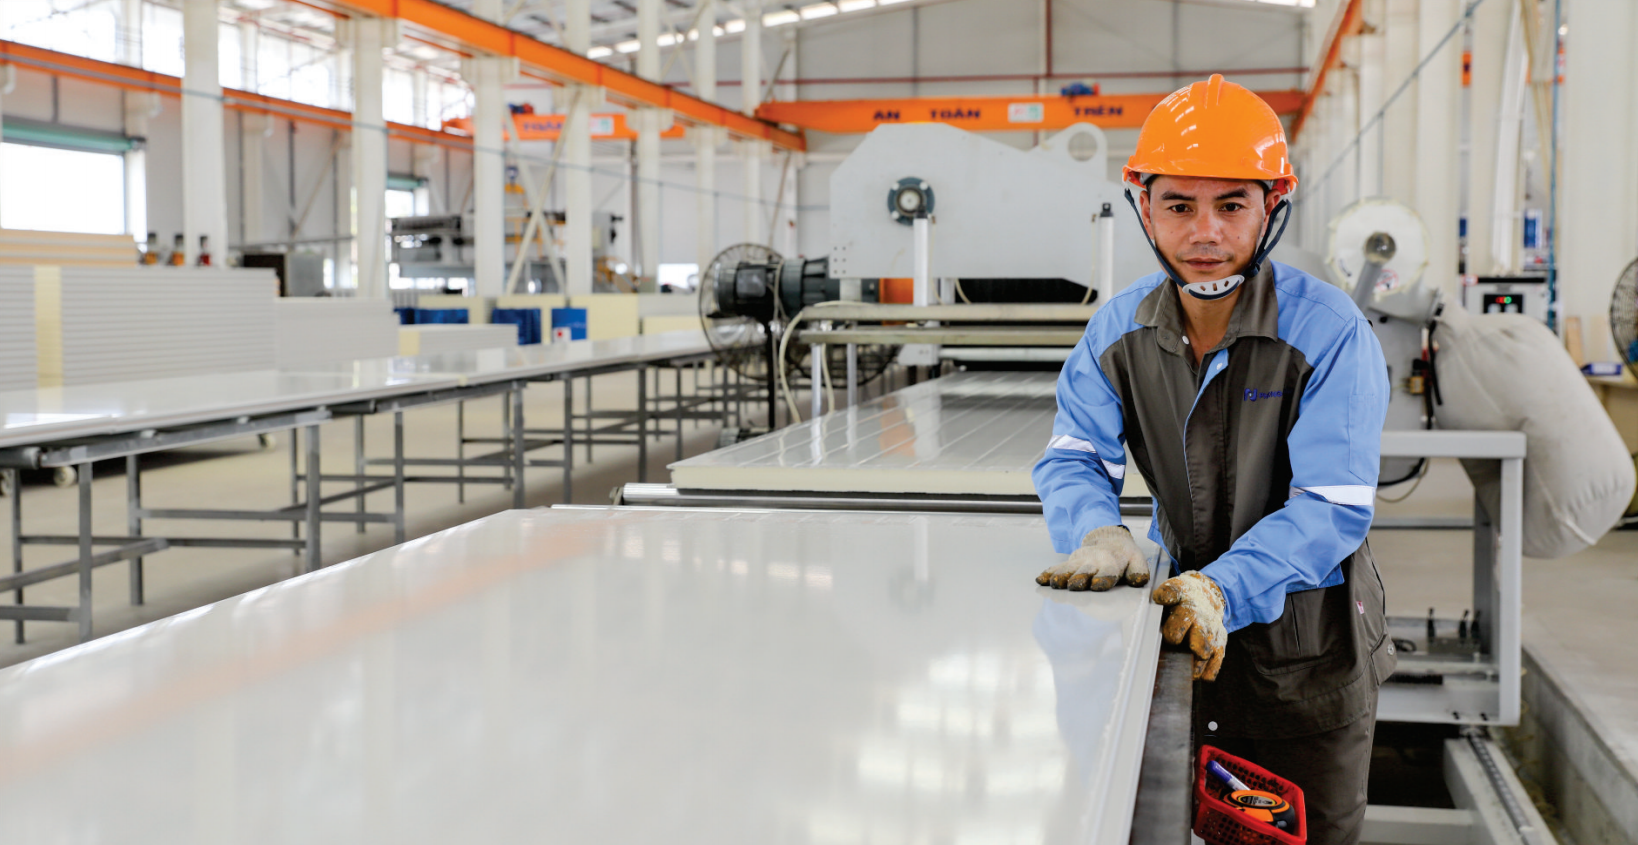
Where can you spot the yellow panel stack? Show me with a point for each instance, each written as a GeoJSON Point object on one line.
{"type": "Point", "coordinates": [26, 246]}
{"type": "Point", "coordinates": [608, 315]}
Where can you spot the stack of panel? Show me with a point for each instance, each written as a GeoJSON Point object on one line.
{"type": "Point", "coordinates": [28, 248]}
{"type": "Point", "coordinates": [17, 355]}
{"type": "Point", "coordinates": [314, 332]}
{"type": "Point", "coordinates": [435, 338]}
{"type": "Point", "coordinates": [99, 325]}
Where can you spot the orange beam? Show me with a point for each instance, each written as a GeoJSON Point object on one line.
{"type": "Point", "coordinates": [564, 67]}
{"type": "Point", "coordinates": [1347, 23]}
{"type": "Point", "coordinates": [984, 114]}
{"type": "Point", "coordinates": [136, 79]}
{"type": "Point", "coordinates": [606, 126]}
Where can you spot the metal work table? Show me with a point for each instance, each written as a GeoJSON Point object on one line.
{"type": "Point", "coordinates": [71, 428]}
{"type": "Point", "coordinates": [508, 371]}
{"type": "Point", "coordinates": [611, 675]}
{"type": "Point", "coordinates": [964, 442]}
{"type": "Point", "coordinates": [967, 442]}
{"type": "Point", "coordinates": [1471, 679]}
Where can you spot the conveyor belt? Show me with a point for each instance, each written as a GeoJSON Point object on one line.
{"type": "Point", "coordinates": [594, 675]}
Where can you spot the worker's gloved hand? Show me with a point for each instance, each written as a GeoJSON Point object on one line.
{"type": "Point", "coordinates": [1196, 613]}
{"type": "Point", "coordinates": [1107, 556]}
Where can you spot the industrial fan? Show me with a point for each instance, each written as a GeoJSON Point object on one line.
{"type": "Point", "coordinates": [1624, 326]}
{"type": "Point", "coordinates": [749, 295]}
{"type": "Point", "coordinates": [739, 336]}
{"type": "Point", "coordinates": [1624, 316]}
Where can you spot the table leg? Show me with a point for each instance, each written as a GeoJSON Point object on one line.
{"type": "Point", "coordinates": [17, 538]}
{"type": "Point", "coordinates": [679, 400]}
{"type": "Point", "coordinates": [295, 489]}
{"type": "Point", "coordinates": [642, 423]}
{"type": "Point", "coordinates": [519, 499]}
{"type": "Point", "coordinates": [359, 466]}
{"type": "Point", "coordinates": [83, 616]}
{"type": "Point", "coordinates": [589, 437]}
{"type": "Point", "coordinates": [816, 353]}
{"type": "Point", "coordinates": [568, 440]}
{"type": "Point", "coordinates": [133, 519]}
{"type": "Point", "coordinates": [852, 374]}
{"type": "Point", "coordinates": [397, 477]}
{"type": "Point", "coordinates": [506, 437]}
{"type": "Point", "coordinates": [460, 452]}
{"type": "Point", "coordinates": [315, 496]}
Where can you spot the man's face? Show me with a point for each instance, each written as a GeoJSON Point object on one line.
{"type": "Point", "coordinates": [1206, 228]}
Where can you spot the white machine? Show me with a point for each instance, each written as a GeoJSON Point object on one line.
{"type": "Point", "coordinates": [991, 211]}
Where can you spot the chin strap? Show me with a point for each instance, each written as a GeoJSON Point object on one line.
{"type": "Point", "coordinates": [1224, 286]}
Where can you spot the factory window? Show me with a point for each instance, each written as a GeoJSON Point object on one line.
{"type": "Point", "coordinates": [678, 276]}
{"type": "Point", "coordinates": [162, 39]}
{"type": "Point", "coordinates": [69, 26]}
{"type": "Point", "coordinates": [61, 190]}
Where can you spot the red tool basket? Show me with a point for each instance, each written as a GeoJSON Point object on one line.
{"type": "Point", "coordinates": [1220, 823]}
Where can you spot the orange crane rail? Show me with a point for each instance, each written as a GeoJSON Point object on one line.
{"type": "Point", "coordinates": [1026, 113]}
{"type": "Point", "coordinates": [135, 79]}
{"type": "Point", "coordinates": [1347, 23]}
{"type": "Point", "coordinates": [558, 65]}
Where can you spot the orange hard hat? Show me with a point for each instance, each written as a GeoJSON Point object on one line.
{"type": "Point", "coordinates": [1215, 129]}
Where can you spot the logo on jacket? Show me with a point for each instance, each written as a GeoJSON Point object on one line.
{"type": "Point", "coordinates": [1253, 394]}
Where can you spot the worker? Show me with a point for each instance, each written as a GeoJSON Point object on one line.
{"type": "Point", "coordinates": [1250, 396]}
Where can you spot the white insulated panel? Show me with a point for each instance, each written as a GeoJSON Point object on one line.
{"type": "Point", "coordinates": [118, 324]}
{"type": "Point", "coordinates": [18, 355]}
{"type": "Point", "coordinates": [978, 433]}
{"type": "Point", "coordinates": [483, 366]}
{"type": "Point", "coordinates": [54, 414]}
{"type": "Point", "coordinates": [434, 338]}
{"type": "Point", "coordinates": [609, 676]}
{"type": "Point", "coordinates": [310, 331]}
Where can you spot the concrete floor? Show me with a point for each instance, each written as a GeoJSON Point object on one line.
{"type": "Point", "coordinates": [1580, 611]}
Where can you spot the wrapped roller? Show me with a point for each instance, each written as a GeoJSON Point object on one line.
{"type": "Point", "coordinates": [1508, 372]}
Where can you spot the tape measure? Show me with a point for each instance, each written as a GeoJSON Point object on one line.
{"type": "Point", "coordinates": [1265, 807]}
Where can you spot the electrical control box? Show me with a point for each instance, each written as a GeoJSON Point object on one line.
{"type": "Point", "coordinates": [1525, 295]}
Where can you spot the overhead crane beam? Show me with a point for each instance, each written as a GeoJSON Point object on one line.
{"type": "Point", "coordinates": [1024, 113]}
{"type": "Point", "coordinates": [133, 79]}
{"type": "Point", "coordinates": [1347, 23]}
{"type": "Point", "coordinates": [558, 65]}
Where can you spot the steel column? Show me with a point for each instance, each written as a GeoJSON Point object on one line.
{"type": "Point", "coordinates": [204, 179]}
{"type": "Point", "coordinates": [369, 153]}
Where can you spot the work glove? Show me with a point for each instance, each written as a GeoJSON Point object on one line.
{"type": "Point", "coordinates": [1195, 618]}
{"type": "Point", "coordinates": [1107, 556]}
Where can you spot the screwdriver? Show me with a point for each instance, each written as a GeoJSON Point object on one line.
{"type": "Point", "coordinates": [1265, 807]}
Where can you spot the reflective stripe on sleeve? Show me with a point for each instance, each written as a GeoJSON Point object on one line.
{"type": "Point", "coordinates": [1074, 444]}
{"type": "Point", "coordinates": [1362, 495]}
{"type": "Point", "coordinates": [1114, 470]}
